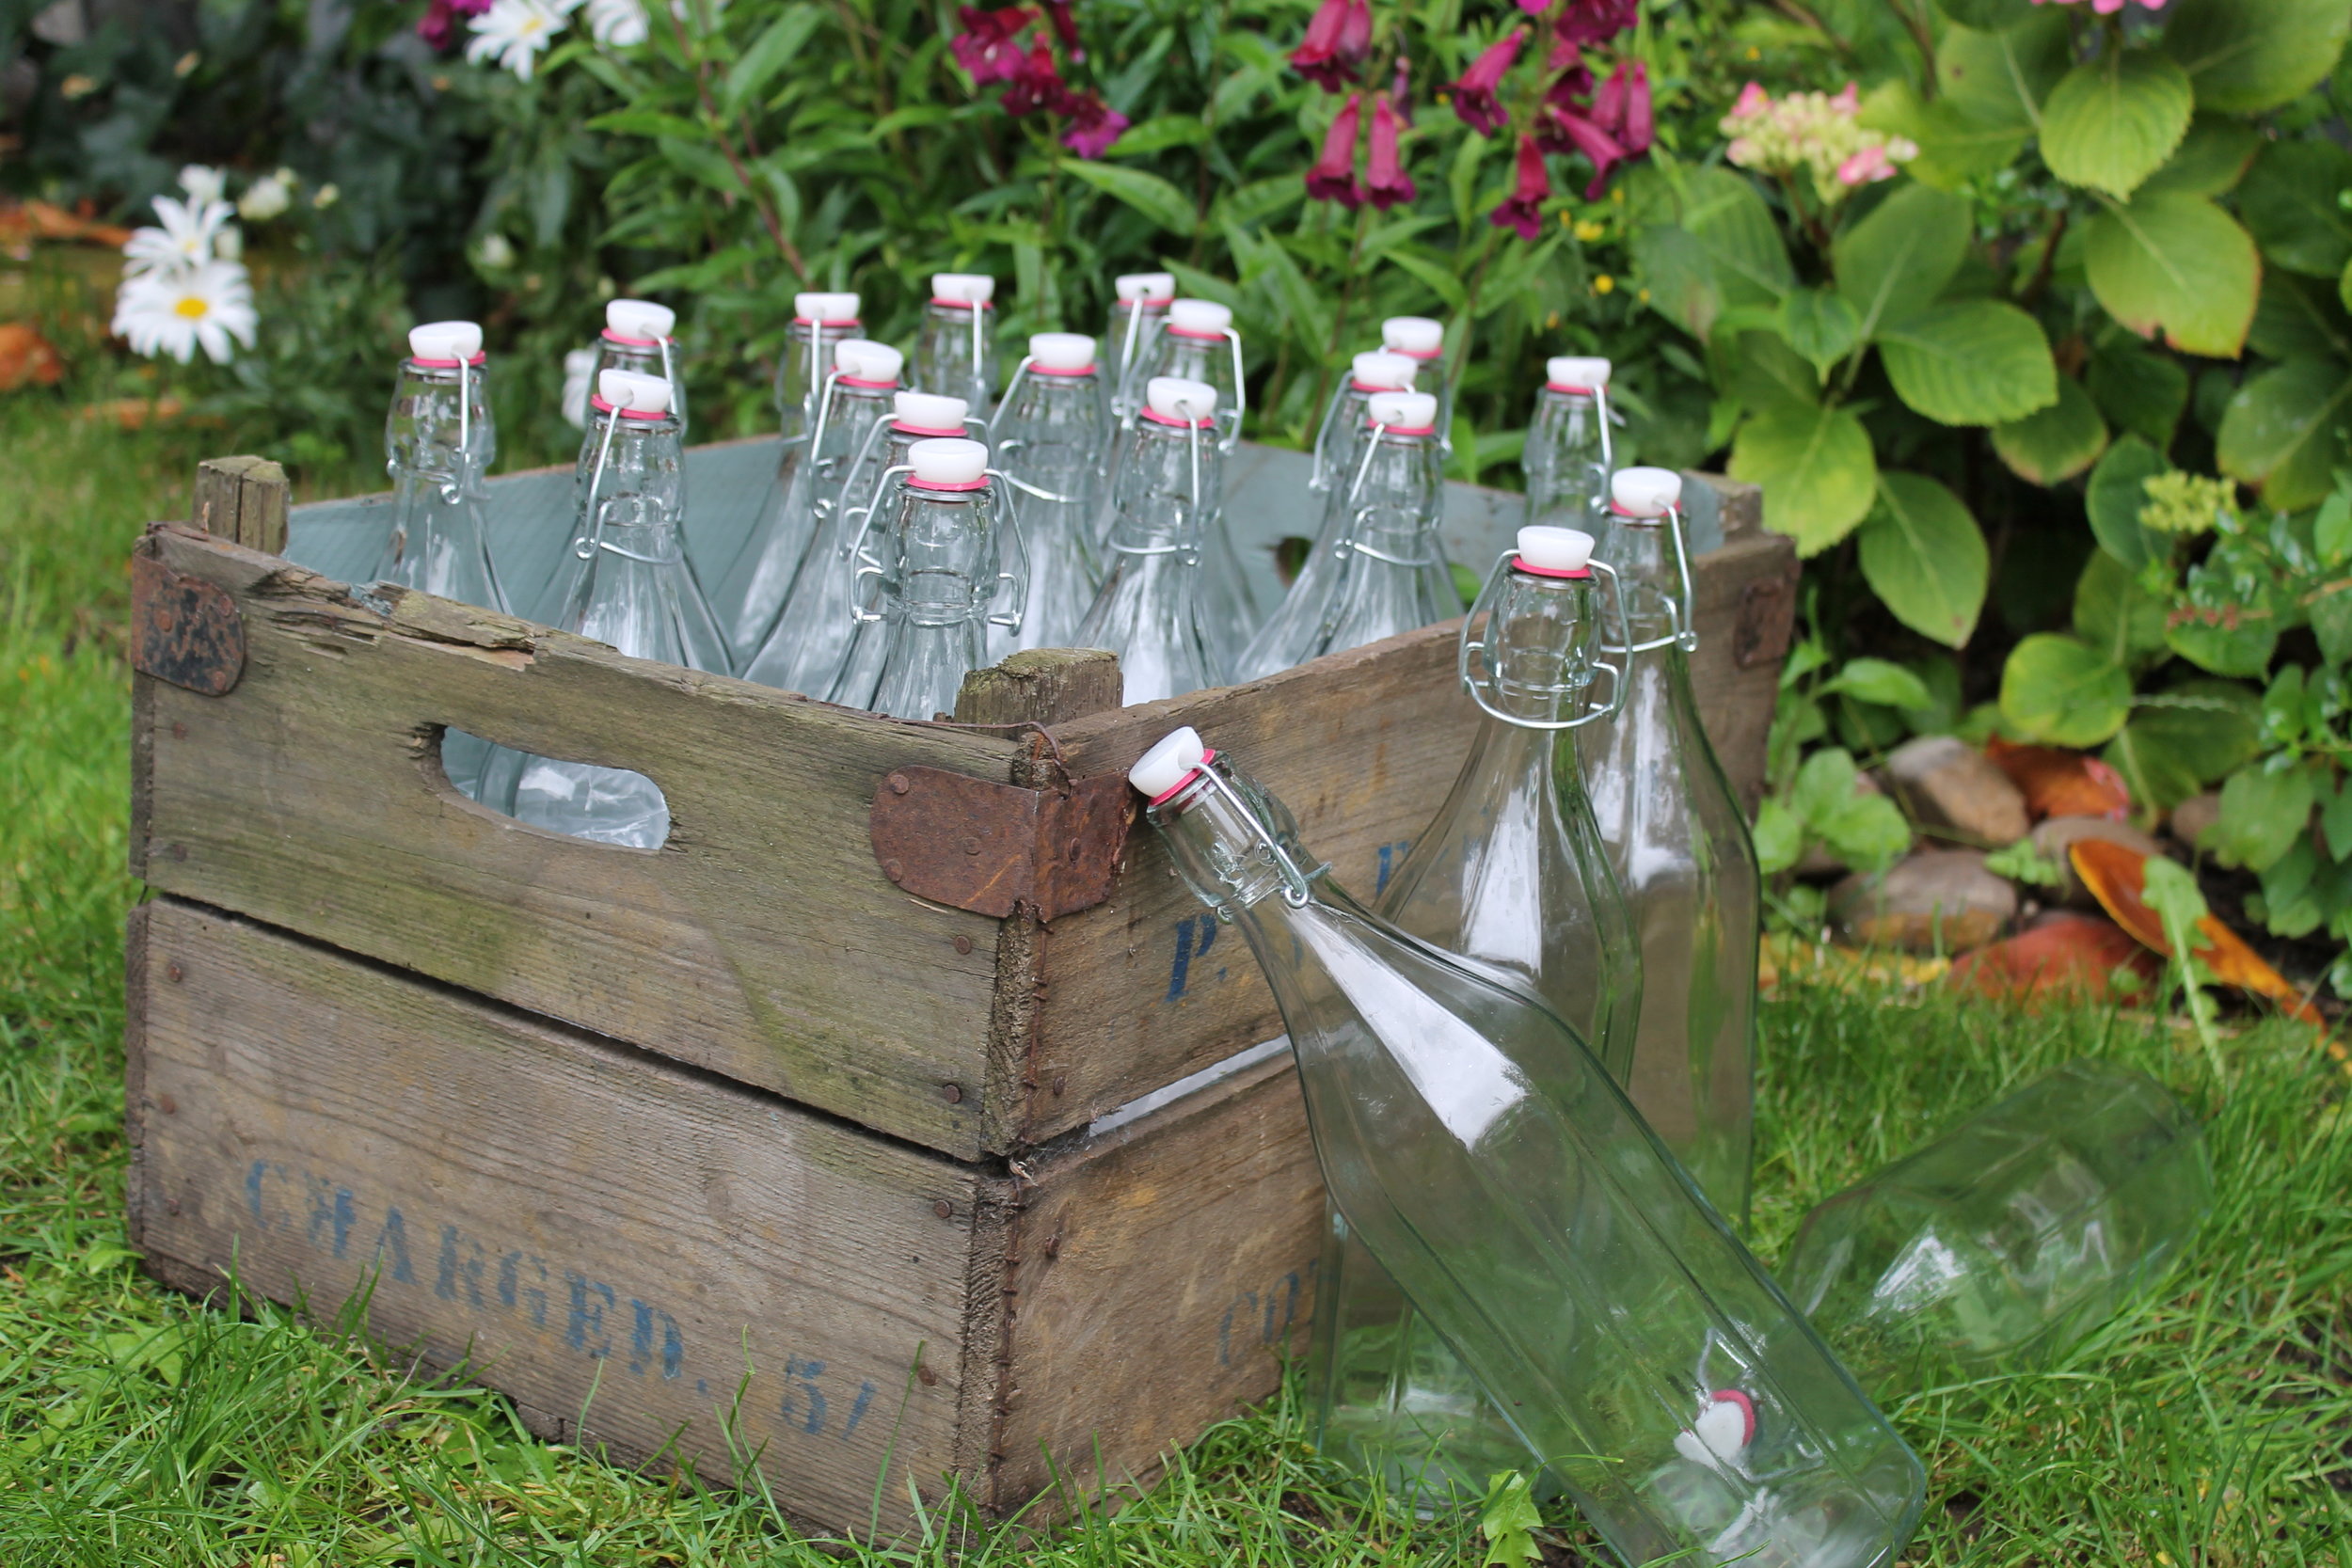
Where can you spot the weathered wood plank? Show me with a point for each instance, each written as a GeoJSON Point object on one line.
{"type": "Point", "coordinates": [244, 501]}
{"type": "Point", "coordinates": [1040, 686]}
{"type": "Point", "coordinates": [761, 941]}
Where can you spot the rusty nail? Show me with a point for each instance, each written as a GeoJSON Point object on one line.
{"type": "Point", "coordinates": [970, 845]}
{"type": "Point", "coordinates": [893, 870]}
{"type": "Point", "coordinates": [171, 1205]}
{"type": "Point", "coordinates": [952, 1093]}
{"type": "Point", "coordinates": [168, 1106]}
{"type": "Point", "coordinates": [898, 783]}
{"type": "Point", "coordinates": [925, 1376]}
{"type": "Point", "coordinates": [944, 1208]}
{"type": "Point", "coordinates": [1053, 1247]}
{"type": "Point", "coordinates": [179, 731]}
{"type": "Point", "coordinates": [1060, 1083]}
{"type": "Point", "coordinates": [174, 974]}
{"type": "Point", "coordinates": [963, 944]}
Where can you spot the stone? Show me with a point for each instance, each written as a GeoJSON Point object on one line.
{"type": "Point", "coordinates": [1946, 784]}
{"type": "Point", "coordinates": [2192, 816]}
{"type": "Point", "coordinates": [2051, 837]}
{"type": "Point", "coordinates": [1937, 901]}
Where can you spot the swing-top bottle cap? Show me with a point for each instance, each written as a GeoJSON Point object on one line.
{"type": "Point", "coordinates": [1644, 492]}
{"type": "Point", "coordinates": [929, 410]}
{"type": "Point", "coordinates": [1180, 401]}
{"type": "Point", "coordinates": [1415, 334]}
{"type": "Point", "coordinates": [1164, 768]}
{"type": "Point", "coordinates": [1146, 287]}
{"type": "Point", "coordinates": [1204, 317]}
{"type": "Point", "coordinates": [1062, 353]}
{"type": "Point", "coordinates": [962, 288]}
{"type": "Point", "coordinates": [948, 463]}
{"type": "Point", "coordinates": [1555, 552]}
{"type": "Point", "coordinates": [639, 318]}
{"type": "Point", "coordinates": [445, 340]}
{"type": "Point", "coordinates": [633, 392]}
{"type": "Point", "coordinates": [864, 359]}
{"type": "Point", "coordinates": [826, 309]}
{"type": "Point", "coordinates": [1570, 372]}
{"type": "Point", "coordinates": [1405, 413]}
{"type": "Point", "coordinates": [1380, 370]}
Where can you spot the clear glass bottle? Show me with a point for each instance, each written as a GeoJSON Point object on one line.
{"type": "Point", "coordinates": [1139, 302]}
{"type": "Point", "coordinates": [1567, 456]}
{"type": "Point", "coordinates": [2009, 1238]}
{"type": "Point", "coordinates": [1510, 877]}
{"type": "Point", "coordinates": [638, 336]}
{"type": "Point", "coordinates": [1422, 340]}
{"type": "Point", "coordinates": [940, 570]}
{"type": "Point", "coordinates": [1392, 573]}
{"type": "Point", "coordinates": [1049, 434]}
{"type": "Point", "coordinates": [1498, 1172]}
{"type": "Point", "coordinates": [811, 643]}
{"type": "Point", "coordinates": [1148, 611]}
{"type": "Point", "coordinates": [1679, 841]}
{"type": "Point", "coordinates": [438, 444]}
{"type": "Point", "coordinates": [955, 349]}
{"type": "Point", "coordinates": [819, 320]}
{"type": "Point", "coordinates": [849, 401]}
{"type": "Point", "coordinates": [625, 583]}
{"type": "Point", "coordinates": [1296, 622]}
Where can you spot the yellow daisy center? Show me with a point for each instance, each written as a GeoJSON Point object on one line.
{"type": "Point", "coordinates": [194, 307]}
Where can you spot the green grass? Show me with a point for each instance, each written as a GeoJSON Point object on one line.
{"type": "Point", "coordinates": [2210, 1424]}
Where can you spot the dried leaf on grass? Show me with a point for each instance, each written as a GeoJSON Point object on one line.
{"type": "Point", "coordinates": [2117, 877]}
{"type": "Point", "coordinates": [2073, 956]}
{"type": "Point", "coordinates": [26, 358]}
{"type": "Point", "coordinates": [2060, 783]}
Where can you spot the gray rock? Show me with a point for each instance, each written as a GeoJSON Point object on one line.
{"type": "Point", "coordinates": [2192, 816]}
{"type": "Point", "coordinates": [2051, 837]}
{"type": "Point", "coordinates": [1937, 901]}
{"type": "Point", "coordinates": [1946, 783]}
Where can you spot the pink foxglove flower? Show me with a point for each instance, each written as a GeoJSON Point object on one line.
{"type": "Point", "coordinates": [1567, 131]}
{"type": "Point", "coordinates": [990, 46]}
{"type": "Point", "coordinates": [1572, 85]}
{"type": "Point", "coordinates": [1596, 20]}
{"type": "Point", "coordinates": [1523, 209]}
{"type": "Point", "coordinates": [1622, 107]}
{"type": "Point", "coordinates": [1338, 37]}
{"type": "Point", "coordinates": [438, 26]}
{"type": "Point", "coordinates": [1066, 30]}
{"type": "Point", "coordinates": [1037, 85]}
{"type": "Point", "coordinates": [1474, 96]}
{"type": "Point", "coordinates": [1333, 178]}
{"type": "Point", "coordinates": [1385, 182]}
{"type": "Point", "coordinates": [1094, 126]}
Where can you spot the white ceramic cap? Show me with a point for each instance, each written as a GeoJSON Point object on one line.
{"type": "Point", "coordinates": [948, 460]}
{"type": "Point", "coordinates": [965, 288]}
{"type": "Point", "coordinates": [1174, 397]}
{"type": "Point", "coordinates": [1157, 288]}
{"type": "Point", "coordinates": [1555, 550]}
{"type": "Point", "coordinates": [639, 318]}
{"type": "Point", "coordinates": [929, 410]}
{"type": "Point", "coordinates": [1168, 764]}
{"type": "Point", "coordinates": [633, 391]}
{"type": "Point", "coordinates": [868, 361]}
{"type": "Point", "coordinates": [825, 309]}
{"type": "Point", "coordinates": [1384, 372]}
{"type": "Point", "coordinates": [445, 340]}
{"type": "Point", "coordinates": [1645, 492]}
{"type": "Point", "coordinates": [1570, 370]}
{"type": "Point", "coordinates": [1199, 315]}
{"type": "Point", "coordinates": [1403, 410]}
{"type": "Point", "coordinates": [1062, 351]}
{"type": "Point", "coordinates": [1412, 335]}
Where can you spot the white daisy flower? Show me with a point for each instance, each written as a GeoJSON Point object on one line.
{"type": "Point", "coordinates": [266, 198]}
{"type": "Point", "coordinates": [513, 32]}
{"type": "Point", "coordinates": [177, 314]}
{"type": "Point", "coordinates": [189, 233]}
{"type": "Point", "coordinates": [204, 186]}
{"type": "Point", "coordinates": [621, 24]}
{"type": "Point", "coordinates": [580, 369]}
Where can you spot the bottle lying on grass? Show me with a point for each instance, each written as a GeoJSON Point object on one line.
{"type": "Point", "coordinates": [2010, 1237]}
{"type": "Point", "coordinates": [1495, 1169]}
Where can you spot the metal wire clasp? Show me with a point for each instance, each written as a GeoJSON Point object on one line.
{"type": "Point", "coordinates": [1480, 689]}
{"type": "Point", "coordinates": [1679, 606]}
{"type": "Point", "coordinates": [1297, 882]}
{"type": "Point", "coordinates": [866, 565]}
{"type": "Point", "coordinates": [1008, 526]}
{"type": "Point", "coordinates": [586, 545]}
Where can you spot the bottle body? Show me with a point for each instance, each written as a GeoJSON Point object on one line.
{"type": "Point", "coordinates": [1150, 610]}
{"type": "Point", "coordinates": [2007, 1239]}
{"type": "Point", "coordinates": [799, 508]}
{"type": "Point", "coordinates": [1049, 440]}
{"type": "Point", "coordinates": [1292, 632]}
{"type": "Point", "coordinates": [938, 574]}
{"type": "Point", "coordinates": [438, 444]}
{"type": "Point", "coordinates": [954, 354]}
{"type": "Point", "coordinates": [1132, 324]}
{"type": "Point", "coordinates": [1567, 463]}
{"type": "Point", "coordinates": [1391, 573]}
{"type": "Point", "coordinates": [1500, 1175]}
{"type": "Point", "coordinates": [811, 639]}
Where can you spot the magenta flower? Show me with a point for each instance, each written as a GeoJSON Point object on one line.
{"type": "Point", "coordinates": [1093, 125]}
{"type": "Point", "coordinates": [1596, 20]}
{"type": "Point", "coordinates": [1572, 86]}
{"type": "Point", "coordinates": [990, 46]}
{"type": "Point", "coordinates": [438, 26]}
{"type": "Point", "coordinates": [1386, 183]}
{"type": "Point", "coordinates": [1333, 178]}
{"type": "Point", "coordinates": [1338, 37]}
{"type": "Point", "coordinates": [1037, 85]}
{"type": "Point", "coordinates": [1523, 209]}
{"type": "Point", "coordinates": [1866, 166]}
{"type": "Point", "coordinates": [1567, 131]}
{"type": "Point", "coordinates": [1066, 30]}
{"type": "Point", "coordinates": [1474, 95]}
{"type": "Point", "coordinates": [1622, 108]}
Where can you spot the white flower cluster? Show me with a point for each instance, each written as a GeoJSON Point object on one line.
{"type": "Point", "coordinates": [183, 287]}
{"type": "Point", "coordinates": [512, 33]}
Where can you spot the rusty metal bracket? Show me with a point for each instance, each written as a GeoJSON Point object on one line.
{"type": "Point", "coordinates": [185, 629]}
{"type": "Point", "coordinates": [989, 848]}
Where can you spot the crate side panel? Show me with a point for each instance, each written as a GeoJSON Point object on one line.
{"type": "Point", "coordinates": [761, 941]}
{"type": "Point", "coordinates": [579, 1224]}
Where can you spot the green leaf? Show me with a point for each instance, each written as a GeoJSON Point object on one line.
{"type": "Point", "coordinates": [1438, 279]}
{"type": "Point", "coordinates": [2299, 318]}
{"type": "Point", "coordinates": [2062, 691]}
{"type": "Point", "coordinates": [1672, 267]}
{"type": "Point", "coordinates": [2004, 73]}
{"type": "Point", "coordinates": [2116, 492]}
{"type": "Point", "coordinates": [1879, 680]}
{"type": "Point", "coordinates": [1820, 325]}
{"type": "Point", "coordinates": [747, 79]}
{"type": "Point", "coordinates": [2332, 623]}
{"type": "Point", "coordinates": [1159, 134]}
{"type": "Point", "coordinates": [2288, 205]}
{"type": "Point", "coordinates": [1778, 836]}
{"type": "Point", "coordinates": [2058, 442]}
{"type": "Point", "coordinates": [1147, 193]}
{"type": "Point", "coordinates": [1973, 362]}
{"type": "Point", "coordinates": [2225, 644]}
{"type": "Point", "coordinates": [2114, 612]}
{"type": "Point", "coordinates": [1817, 468]}
{"type": "Point", "coordinates": [2113, 122]}
{"type": "Point", "coordinates": [1508, 1521]}
{"type": "Point", "coordinates": [2285, 430]}
{"type": "Point", "coordinates": [2177, 264]}
{"type": "Point", "coordinates": [1925, 558]}
{"type": "Point", "coordinates": [1763, 372]}
{"type": "Point", "coordinates": [2245, 57]}
{"type": "Point", "coordinates": [2331, 531]}
{"type": "Point", "coordinates": [2211, 159]}
{"type": "Point", "coordinates": [1894, 263]}
{"type": "Point", "coordinates": [2263, 813]}
{"type": "Point", "coordinates": [2139, 389]}
{"type": "Point", "coordinates": [2335, 820]}
{"type": "Point", "coordinates": [1734, 227]}
{"type": "Point", "coordinates": [1868, 832]}
{"type": "Point", "coordinates": [1987, 15]}
{"type": "Point", "coordinates": [2181, 740]}
{"type": "Point", "coordinates": [1956, 142]}
{"type": "Point", "coordinates": [646, 122]}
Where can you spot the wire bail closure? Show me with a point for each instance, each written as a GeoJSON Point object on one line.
{"type": "Point", "coordinates": [1481, 691]}
{"type": "Point", "coordinates": [1298, 883]}
{"type": "Point", "coordinates": [1681, 606]}
{"type": "Point", "coordinates": [585, 545]}
{"type": "Point", "coordinates": [1018, 580]}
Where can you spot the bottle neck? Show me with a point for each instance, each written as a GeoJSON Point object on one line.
{"type": "Point", "coordinates": [1163, 486]}
{"type": "Point", "coordinates": [1234, 860]}
{"type": "Point", "coordinates": [850, 416]}
{"type": "Point", "coordinates": [1642, 550]}
{"type": "Point", "coordinates": [1541, 640]}
{"type": "Point", "coordinates": [807, 357]}
{"type": "Point", "coordinates": [634, 502]}
{"type": "Point", "coordinates": [439, 426]}
{"type": "Point", "coordinates": [941, 562]}
{"type": "Point", "coordinates": [1392, 499]}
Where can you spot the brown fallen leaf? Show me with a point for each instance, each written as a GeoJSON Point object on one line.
{"type": "Point", "coordinates": [28, 357]}
{"type": "Point", "coordinates": [2067, 954]}
{"type": "Point", "coordinates": [2059, 782]}
{"type": "Point", "coordinates": [2117, 876]}
{"type": "Point", "coordinates": [45, 220]}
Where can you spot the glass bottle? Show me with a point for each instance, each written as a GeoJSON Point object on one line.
{"type": "Point", "coordinates": [1297, 622]}
{"type": "Point", "coordinates": [1049, 434]}
{"type": "Point", "coordinates": [438, 444]}
{"type": "Point", "coordinates": [811, 642]}
{"type": "Point", "coordinates": [819, 320]}
{"type": "Point", "coordinates": [1422, 340]}
{"type": "Point", "coordinates": [849, 401]}
{"type": "Point", "coordinates": [2009, 1238]}
{"type": "Point", "coordinates": [939, 569]}
{"type": "Point", "coordinates": [625, 583]}
{"type": "Point", "coordinates": [1392, 575]}
{"type": "Point", "coordinates": [1678, 842]}
{"type": "Point", "coordinates": [637, 337]}
{"type": "Point", "coordinates": [1567, 460]}
{"type": "Point", "coordinates": [1498, 1172]}
{"type": "Point", "coordinates": [955, 350]}
{"type": "Point", "coordinates": [1138, 306]}
{"type": "Point", "coordinates": [1511, 876]}
{"type": "Point", "coordinates": [1148, 611]}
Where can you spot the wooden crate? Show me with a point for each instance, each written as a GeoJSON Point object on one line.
{"type": "Point", "coordinates": [901, 1105]}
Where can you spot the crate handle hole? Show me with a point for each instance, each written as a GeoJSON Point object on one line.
{"type": "Point", "coordinates": [578, 799]}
